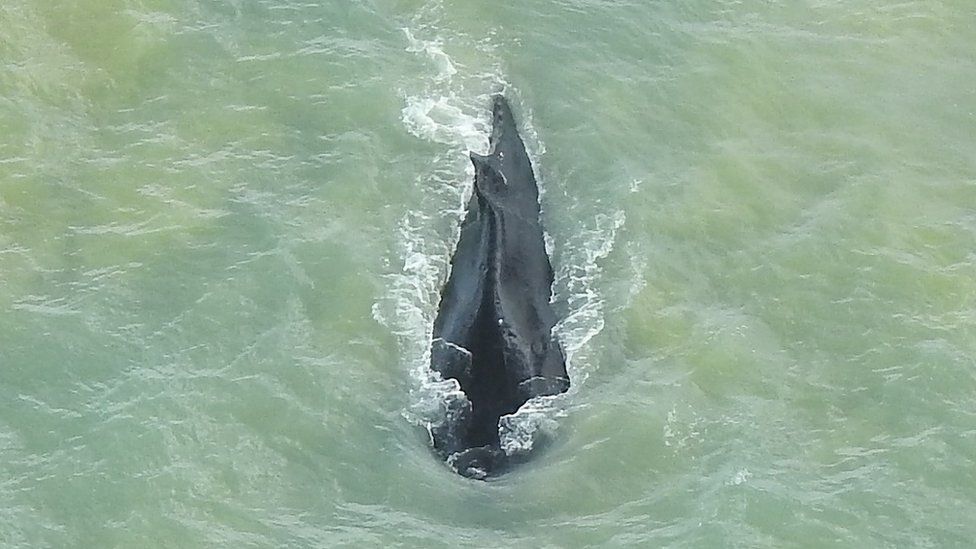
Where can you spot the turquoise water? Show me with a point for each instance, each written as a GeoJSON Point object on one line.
{"type": "Point", "coordinates": [223, 227]}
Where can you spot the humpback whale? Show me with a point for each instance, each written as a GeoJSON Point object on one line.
{"type": "Point", "coordinates": [493, 330]}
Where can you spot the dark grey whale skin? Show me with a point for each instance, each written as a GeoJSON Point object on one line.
{"type": "Point", "coordinates": [493, 331]}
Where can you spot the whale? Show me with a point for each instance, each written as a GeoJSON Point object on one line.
{"type": "Point", "coordinates": [493, 332]}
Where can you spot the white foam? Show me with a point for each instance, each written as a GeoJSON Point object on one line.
{"type": "Point", "coordinates": [444, 120]}
{"type": "Point", "coordinates": [575, 282]}
{"type": "Point", "coordinates": [518, 432]}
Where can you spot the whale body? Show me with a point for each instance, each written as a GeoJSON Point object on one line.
{"type": "Point", "coordinates": [493, 330]}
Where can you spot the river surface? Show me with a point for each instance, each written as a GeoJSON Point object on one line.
{"type": "Point", "coordinates": [224, 226]}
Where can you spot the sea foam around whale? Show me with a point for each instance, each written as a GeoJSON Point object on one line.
{"type": "Point", "coordinates": [452, 110]}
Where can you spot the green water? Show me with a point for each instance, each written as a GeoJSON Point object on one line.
{"type": "Point", "coordinates": [223, 227]}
